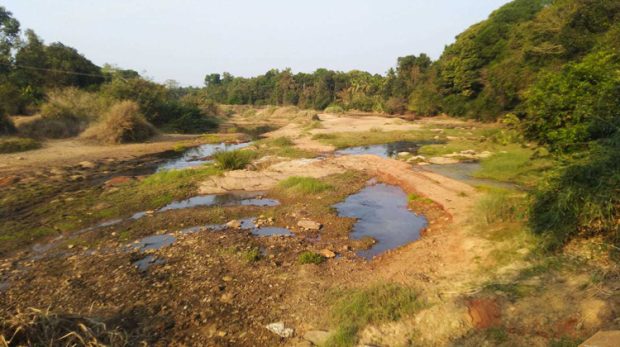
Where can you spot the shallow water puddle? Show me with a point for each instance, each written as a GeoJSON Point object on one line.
{"type": "Point", "coordinates": [382, 213]}
{"type": "Point", "coordinates": [464, 172]}
{"type": "Point", "coordinates": [385, 150]}
{"type": "Point", "coordinates": [199, 155]}
{"type": "Point", "coordinates": [231, 199]}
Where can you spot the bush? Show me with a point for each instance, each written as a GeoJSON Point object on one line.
{"type": "Point", "coordinates": [121, 124]}
{"type": "Point", "coordinates": [308, 257]}
{"type": "Point", "coordinates": [582, 199]}
{"type": "Point", "coordinates": [334, 109]}
{"type": "Point", "coordinates": [303, 185]}
{"type": "Point", "coordinates": [395, 106]}
{"type": "Point", "coordinates": [189, 119]}
{"type": "Point", "coordinates": [233, 160]}
{"type": "Point", "coordinates": [18, 144]}
{"type": "Point", "coordinates": [6, 125]}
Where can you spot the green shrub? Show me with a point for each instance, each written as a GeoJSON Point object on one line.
{"type": "Point", "coordinates": [233, 160]}
{"type": "Point", "coordinates": [282, 142]}
{"type": "Point", "coordinates": [121, 124]}
{"type": "Point", "coordinates": [6, 125]}
{"type": "Point", "coordinates": [395, 105]}
{"type": "Point", "coordinates": [17, 144]}
{"type": "Point", "coordinates": [376, 304]}
{"type": "Point", "coordinates": [581, 199]}
{"type": "Point", "coordinates": [336, 109]}
{"type": "Point", "coordinates": [308, 257]}
{"type": "Point", "coordinates": [303, 185]}
{"type": "Point", "coordinates": [189, 119]}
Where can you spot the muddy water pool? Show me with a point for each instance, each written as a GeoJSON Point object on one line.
{"type": "Point", "coordinates": [381, 212]}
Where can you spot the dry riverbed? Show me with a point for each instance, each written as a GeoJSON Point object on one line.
{"type": "Point", "coordinates": [105, 239]}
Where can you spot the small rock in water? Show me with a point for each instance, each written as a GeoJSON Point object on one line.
{"type": "Point", "coordinates": [327, 253]}
{"type": "Point", "coordinates": [234, 224]}
{"type": "Point", "coordinates": [403, 154]}
{"type": "Point", "coordinates": [309, 224]}
{"type": "Point", "coordinates": [279, 329]}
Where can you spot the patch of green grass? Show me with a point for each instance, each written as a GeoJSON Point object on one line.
{"type": "Point", "coordinates": [565, 342]}
{"type": "Point", "coordinates": [514, 164]}
{"type": "Point", "coordinates": [303, 185]}
{"type": "Point", "coordinates": [227, 138]}
{"type": "Point", "coordinates": [497, 334]}
{"type": "Point", "coordinates": [501, 206]}
{"type": "Point", "coordinates": [373, 305]}
{"type": "Point", "coordinates": [354, 139]}
{"type": "Point", "coordinates": [18, 144]}
{"type": "Point", "coordinates": [251, 255]}
{"type": "Point", "coordinates": [233, 160]}
{"type": "Point", "coordinates": [308, 257]}
{"type": "Point", "coordinates": [282, 142]}
{"type": "Point", "coordinates": [281, 147]}
{"type": "Point", "coordinates": [334, 109]}
{"type": "Point", "coordinates": [419, 198]}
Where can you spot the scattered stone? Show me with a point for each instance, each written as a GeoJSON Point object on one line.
{"type": "Point", "coordinates": [227, 278]}
{"type": "Point", "coordinates": [235, 224]}
{"type": "Point", "coordinates": [309, 224]}
{"type": "Point", "coordinates": [279, 329]}
{"type": "Point", "coordinates": [327, 253]}
{"type": "Point", "coordinates": [403, 154]}
{"type": "Point", "coordinates": [227, 298]}
{"type": "Point", "coordinates": [468, 152]}
{"type": "Point", "coordinates": [317, 337]}
{"type": "Point", "coordinates": [21, 158]}
{"type": "Point", "coordinates": [87, 165]}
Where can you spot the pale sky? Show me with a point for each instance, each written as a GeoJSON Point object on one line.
{"type": "Point", "coordinates": [184, 40]}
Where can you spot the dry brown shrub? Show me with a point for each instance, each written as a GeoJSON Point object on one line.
{"type": "Point", "coordinates": [35, 327]}
{"type": "Point", "coordinates": [122, 123]}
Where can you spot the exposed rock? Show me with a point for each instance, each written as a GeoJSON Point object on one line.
{"type": "Point", "coordinates": [485, 154]}
{"type": "Point", "coordinates": [442, 160]}
{"type": "Point", "coordinates": [603, 339]}
{"type": "Point", "coordinates": [309, 224]}
{"type": "Point", "coordinates": [327, 253]}
{"type": "Point", "coordinates": [484, 313]}
{"type": "Point", "coordinates": [235, 224]}
{"type": "Point", "coordinates": [227, 298]}
{"type": "Point", "coordinates": [468, 152]}
{"type": "Point", "coordinates": [403, 154]}
{"type": "Point", "coordinates": [317, 337]}
{"type": "Point", "coordinates": [279, 329]}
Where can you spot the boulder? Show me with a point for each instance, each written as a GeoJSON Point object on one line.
{"type": "Point", "coordinates": [279, 329]}
{"type": "Point", "coordinates": [442, 160]}
{"type": "Point", "coordinates": [309, 224]}
{"type": "Point", "coordinates": [603, 339]}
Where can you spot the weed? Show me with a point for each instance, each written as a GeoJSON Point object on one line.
{"type": "Point", "coordinates": [252, 255]}
{"type": "Point", "coordinates": [308, 257]}
{"type": "Point", "coordinates": [233, 160]}
{"type": "Point", "coordinates": [419, 198]}
{"type": "Point", "coordinates": [373, 137]}
{"type": "Point", "coordinates": [303, 185]}
{"type": "Point", "coordinates": [122, 123]}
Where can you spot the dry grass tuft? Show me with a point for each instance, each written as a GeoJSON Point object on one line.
{"type": "Point", "coordinates": [121, 124]}
{"type": "Point", "coordinates": [35, 327]}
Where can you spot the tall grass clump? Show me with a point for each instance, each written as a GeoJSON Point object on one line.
{"type": "Point", "coordinates": [18, 144]}
{"type": "Point", "coordinates": [122, 123]}
{"type": "Point", "coordinates": [303, 185]}
{"type": "Point", "coordinates": [233, 160]}
{"type": "Point", "coordinates": [377, 304]}
{"type": "Point", "coordinates": [308, 257]}
{"type": "Point", "coordinates": [66, 113]}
